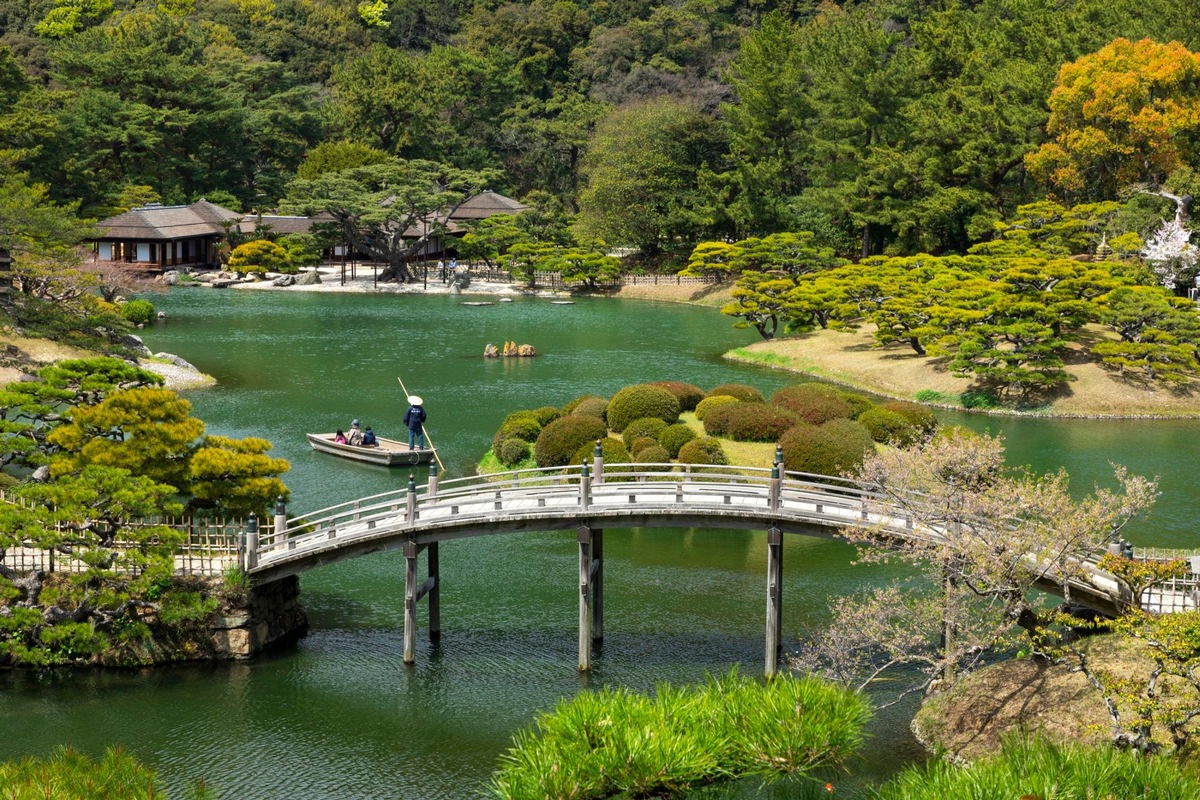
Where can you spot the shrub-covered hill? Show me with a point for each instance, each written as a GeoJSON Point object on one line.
{"type": "Point", "coordinates": [816, 427]}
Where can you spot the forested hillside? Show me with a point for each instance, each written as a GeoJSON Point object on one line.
{"type": "Point", "coordinates": [883, 126]}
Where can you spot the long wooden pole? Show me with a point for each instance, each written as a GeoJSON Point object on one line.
{"type": "Point", "coordinates": [429, 439]}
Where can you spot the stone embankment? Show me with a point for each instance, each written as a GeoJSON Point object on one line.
{"type": "Point", "coordinates": [272, 615]}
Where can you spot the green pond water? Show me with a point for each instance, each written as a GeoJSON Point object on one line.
{"type": "Point", "coordinates": [338, 715]}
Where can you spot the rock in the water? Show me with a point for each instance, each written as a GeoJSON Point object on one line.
{"type": "Point", "coordinates": [170, 277]}
{"type": "Point", "coordinates": [526, 350]}
{"type": "Point", "coordinates": [171, 358]}
{"type": "Point", "coordinates": [491, 351]}
{"type": "Point", "coordinates": [135, 344]}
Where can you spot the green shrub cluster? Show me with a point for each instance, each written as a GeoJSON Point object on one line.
{"type": "Point", "coordinates": [616, 743]}
{"type": "Point", "coordinates": [920, 417]}
{"type": "Point", "coordinates": [741, 391]}
{"type": "Point", "coordinates": [888, 427]}
{"type": "Point", "coordinates": [646, 426]}
{"type": "Point", "coordinates": [749, 422]}
{"type": "Point", "coordinates": [1036, 768]}
{"type": "Point", "coordinates": [139, 312]}
{"type": "Point", "coordinates": [858, 403]}
{"type": "Point", "coordinates": [687, 394]}
{"type": "Point", "coordinates": [546, 414]}
{"type": "Point", "coordinates": [652, 454]}
{"type": "Point", "coordinates": [558, 441]}
{"type": "Point", "coordinates": [591, 407]}
{"type": "Point", "coordinates": [813, 402]}
{"type": "Point", "coordinates": [713, 401]}
{"type": "Point", "coordinates": [834, 448]}
{"type": "Point", "coordinates": [512, 452]}
{"type": "Point", "coordinates": [570, 407]}
{"type": "Point", "coordinates": [521, 425]}
{"type": "Point", "coordinates": [68, 775]}
{"type": "Point", "coordinates": [612, 450]}
{"type": "Point", "coordinates": [674, 437]}
{"type": "Point", "coordinates": [638, 401]}
{"type": "Point", "coordinates": [704, 450]}
{"type": "Point", "coordinates": [641, 443]}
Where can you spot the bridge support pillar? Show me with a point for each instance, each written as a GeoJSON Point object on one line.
{"type": "Point", "coordinates": [597, 585]}
{"type": "Point", "coordinates": [435, 591]}
{"type": "Point", "coordinates": [585, 598]}
{"type": "Point", "coordinates": [411, 551]}
{"type": "Point", "coordinates": [774, 643]}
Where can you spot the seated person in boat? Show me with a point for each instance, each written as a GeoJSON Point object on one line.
{"type": "Point", "coordinates": [339, 437]}
{"type": "Point", "coordinates": [355, 435]}
{"type": "Point", "coordinates": [369, 439]}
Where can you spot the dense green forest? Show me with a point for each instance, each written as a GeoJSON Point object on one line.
{"type": "Point", "coordinates": [884, 126]}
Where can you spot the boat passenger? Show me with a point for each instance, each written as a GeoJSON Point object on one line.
{"type": "Point", "coordinates": [339, 437]}
{"type": "Point", "coordinates": [369, 439]}
{"type": "Point", "coordinates": [355, 435]}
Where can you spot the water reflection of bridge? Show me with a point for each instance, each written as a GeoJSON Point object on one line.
{"type": "Point", "coordinates": [417, 519]}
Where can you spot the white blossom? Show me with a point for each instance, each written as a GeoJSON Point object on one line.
{"type": "Point", "coordinates": [1171, 254]}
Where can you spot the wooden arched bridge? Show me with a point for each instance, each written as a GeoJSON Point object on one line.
{"type": "Point", "coordinates": [589, 499]}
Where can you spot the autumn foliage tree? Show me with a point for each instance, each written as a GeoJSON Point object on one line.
{"type": "Point", "coordinates": [1126, 114]}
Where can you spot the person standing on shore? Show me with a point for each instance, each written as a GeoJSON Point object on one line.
{"type": "Point", "coordinates": [414, 418]}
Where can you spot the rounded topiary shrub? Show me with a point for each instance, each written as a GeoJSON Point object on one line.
{"type": "Point", "coordinates": [812, 402]}
{"type": "Point", "coordinates": [641, 443]}
{"type": "Point", "coordinates": [687, 394]}
{"type": "Point", "coordinates": [920, 417]}
{"type": "Point", "coordinates": [512, 452]}
{"type": "Point", "coordinates": [646, 426]}
{"type": "Point", "coordinates": [713, 401]}
{"type": "Point", "coordinates": [858, 403]}
{"type": "Point", "coordinates": [559, 440]}
{"type": "Point", "coordinates": [749, 422]}
{"type": "Point", "coordinates": [641, 400]}
{"type": "Point", "coordinates": [591, 407]}
{"type": "Point", "coordinates": [653, 454]}
{"type": "Point", "coordinates": [517, 425]}
{"type": "Point", "coordinates": [739, 390]}
{"type": "Point", "coordinates": [613, 451]}
{"type": "Point", "coordinates": [571, 406]}
{"type": "Point", "coordinates": [260, 255]}
{"type": "Point", "coordinates": [139, 312]}
{"type": "Point", "coordinates": [705, 450]}
{"type": "Point", "coordinates": [832, 449]}
{"type": "Point", "coordinates": [674, 437]}
{"type": "Point", "coordinates": [888, 427]}
{"type": "Point", "coordinates": [546, 414]}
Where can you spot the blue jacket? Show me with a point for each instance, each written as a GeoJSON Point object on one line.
{"type": "Point", "coordinates": [414, 417]}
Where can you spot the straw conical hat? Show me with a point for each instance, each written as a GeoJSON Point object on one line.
{"type": "Point", "coordinates": [415, 400]}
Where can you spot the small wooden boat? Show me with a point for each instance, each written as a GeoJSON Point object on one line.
{"type": "Point", "coordinates": [476, 303]}
{"type": "Point", "coordinates": [388, 453]}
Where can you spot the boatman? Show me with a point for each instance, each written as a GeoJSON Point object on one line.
{"type": "Point", "coordinates": [414, 418]}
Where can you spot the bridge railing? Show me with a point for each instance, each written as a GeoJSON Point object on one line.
{"type": "Point", "coordinates": [468, 496]}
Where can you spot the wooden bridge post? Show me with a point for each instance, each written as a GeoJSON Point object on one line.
{"type": "Point", "coordinates": [598, 464]}
{"type": "Point", "coordinates": [251, 542]}
{"type": "Point", "coordinates": [410, 500]}
{"type": "Point", "coordinates": [597, 569]}
{"type": "Point", "coordinates": [585, 598]}
{"type": "Point", "coordinates": [431, 492]}
{"type": "Point", "coordinates": [775, 486]}
{"type": "Point", "coordinates": [585, 488]}
{"type": "Point", "coordinates": [774, 600]}
{"type": "Point", "coordinates": [411, 551]}
{"type": "Point", "coordinates": [435, 591]}
{"type": "Point", "coordinates": [280, 520]}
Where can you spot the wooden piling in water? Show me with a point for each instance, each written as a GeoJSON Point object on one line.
{"type": "Point", "coordinates": [774, 600]}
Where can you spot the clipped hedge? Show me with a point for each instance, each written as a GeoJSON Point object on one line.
{"type": "Point", "coordinates": [687, 394]}
{"type": "Point", "coordinates": [613, 451]}
{"type": "Point", "coordinates": [888, 427]}
{"type": "Point", "coordinates": [646, 426]}
{"type": "Point", "coordinates": [858, 403]}
{"type": "Point", "coordinates": [546, 414]}
{"type": "Point", "coordinates": [705, 450]}
{"type": "Point", "coordinates": [674, 437]}
{"type": "Point", "coordinates": [139, 312]}
{"type": "Point", "coordinates": [652, 454]}
{"type": "Point", "coordinates": [521, 425]}
{"type": "Point", "coordinates": [813, 403]}
{"type": "Point", "coordinates": [638, 401]}
{"type": "Point", "coordinates": [832, 449]}
{"type": "Point", "coordinates": [571, 406]}
{"type": "Point", "coordinates": [641, 443]}
{"type": "Point", "coordinates": [591, 407]}
{"type": "Point", "coordinates": [920, 417]}
{"type": "Point", "coordinates": [512, 452]}
{"type": "Point", "coordinates": [714, 401]}
{"type": "Point", "coordinates": [749, 422]}
{"type": "Point", "coordinates": [739, 390]}
{"type": "Point", "coordinates": [559, 440]}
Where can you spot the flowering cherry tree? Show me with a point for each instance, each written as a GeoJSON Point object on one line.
{"type": "Point", "coordinates": [1171, 254]}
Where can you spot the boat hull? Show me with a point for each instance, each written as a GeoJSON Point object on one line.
{"type": "Point", "coordinates": [388, 453]}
